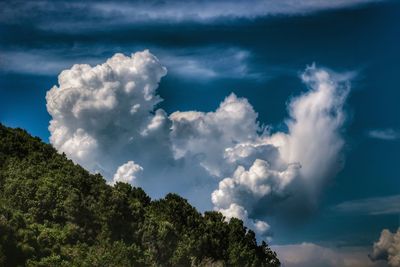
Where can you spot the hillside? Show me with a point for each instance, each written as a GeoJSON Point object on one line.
{"type": "Point", "coordinates": [54, 213]}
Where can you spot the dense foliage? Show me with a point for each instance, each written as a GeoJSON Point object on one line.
{"type": "Point", "coordinates": [54, 213]}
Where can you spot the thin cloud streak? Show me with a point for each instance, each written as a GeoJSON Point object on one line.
{"type": "Point", "coordinates": [204, 11]}
{"type": "Point", "coordinates": [203, 63]}
{"type": "Point", "coordinates": [384, 134]}
{"type": "Point", "coordinates": [67, 15]}
{"type": "Point", "coordinates": [371, 206]}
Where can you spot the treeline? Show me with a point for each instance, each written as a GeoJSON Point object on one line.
{"type": "Point", "coordinates": [54, 213]}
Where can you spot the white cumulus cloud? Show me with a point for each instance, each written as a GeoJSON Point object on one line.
{"type": "Point", "coordinates": [105, 118]}
{"type": "Point", "coordinates": [127, 172]}
{"type": "Point", "coordinates": [105, 112]}
{"type": "Point", "coordinates": [207, 135]}
{"type": "Point", "coordinates": [293, 163]}
{"type": "Point", "coordinates": [235, 211]}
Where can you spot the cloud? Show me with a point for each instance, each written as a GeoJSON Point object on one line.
{"type": "Point", "coordinates": [207, 135]}
{"type": "Point", "coordinates": [387, 248]}
{"type": "Point", "coordinates": [235, 211]}
{"type": "Point", "coordinates": [245, 189]}
{"type": "Point", "coordinates": [78, 16]}
{"type": "Point", "coordinates": [286, 167]}
{"type": "Point", "coordinates": [209, 11]}
{"type": "Point", "coordinates": [106, 119]}
{"type": "Point", "coordinates": [105, 112]}
{"type": "Point", "coordinates": [209, 63]}
{"type": "Point", "coordinates": [127, 172]}
{"type": "Point", "coordinates": [309, 254]}
{"type": "Point", "coordinates": [10, 63]}
{"type": "Point", "coordinates": [106, 115]}
{"type": "Point", "coordinates": [371, 206]}
{"type": "Point", "coordinates": [204, 63]}
{"type": "Point", "coordinates": [384, 134]}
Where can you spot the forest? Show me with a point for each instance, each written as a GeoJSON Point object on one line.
{"type": "Point", "coordinates": [55, 213]}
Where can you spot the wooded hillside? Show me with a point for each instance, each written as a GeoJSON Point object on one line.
{"type": "Point", "coordinates": [54, 213]}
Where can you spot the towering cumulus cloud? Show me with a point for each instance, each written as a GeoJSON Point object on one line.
{"type": "Point", "coordinates": [387, 248]}
{"type": "Point", "coordinates": [104, 114]}
{"type": "Point", "coordinates": [286, 166]}
{"type": "Point", "coordinates": [105, 118]}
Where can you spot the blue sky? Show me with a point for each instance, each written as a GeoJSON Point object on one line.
{"type": "Point", "coordinates": [258, 51]}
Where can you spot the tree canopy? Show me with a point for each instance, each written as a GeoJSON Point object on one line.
{"type": "Point", "coordinates": [55, 213]}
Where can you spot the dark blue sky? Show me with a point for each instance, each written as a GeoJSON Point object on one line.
{"type": "Point", "coordinates": [258, 57]}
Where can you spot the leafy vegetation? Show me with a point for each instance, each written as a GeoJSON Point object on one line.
{"type": "Point", "coordinates": [54, 213]}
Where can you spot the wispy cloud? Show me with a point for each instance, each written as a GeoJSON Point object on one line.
{"type": "Point", "coordinates": [371, 206]}
{"type": "Point", "coordinates": [40, 62]}
{"type": "Point", "coordinates": [205, 11]}
{"type": "Point", "coordinates": [64, 14]}
{"type": "Point", "coordinates": [210, 62]}
{"type": "Point", "coordinates": [384, 134]}
{"type": "Point", "coordinates": [196, 63]}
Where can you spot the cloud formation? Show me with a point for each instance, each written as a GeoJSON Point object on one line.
{"type": "Point", "coordinates": [387, 248]}
{"type": "Point", "coordinates": [107, 111]}
{"type": "Point", "coordinates": [371, 206]}
{"type": "Point", "coordinates": [118, 13]}
{"type": "Point", "coordinates": [127, 172]}
{"type": "Point", "coordinates": [207, 135]}
{"type": "Point", "coordinates": [384, 134]}
{"type": "Point", "coordinates": [206, 63]}
{"type": "Point", "coordinates": [106, 119]}
{"type": "Point", "coordinates": [309, 254]}
{"type": "Point", "coordinates": [287, 166]}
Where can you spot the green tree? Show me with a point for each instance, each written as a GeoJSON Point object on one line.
{"type": "Point", "coordinates": [55, 213]}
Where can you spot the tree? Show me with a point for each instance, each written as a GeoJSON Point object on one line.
{"type": "Point", "coordinates": [55, 213]}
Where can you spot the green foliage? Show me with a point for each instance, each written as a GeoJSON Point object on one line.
{"type": "Point", "coordinates": [54, 213]}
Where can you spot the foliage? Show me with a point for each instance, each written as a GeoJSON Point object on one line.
{"type": "Point", "coordinates": [55, 213]}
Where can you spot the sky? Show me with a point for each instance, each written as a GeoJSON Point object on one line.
{"type": "Point", "coordinates": [281, 113]}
